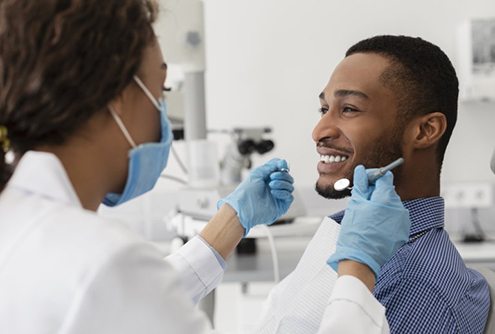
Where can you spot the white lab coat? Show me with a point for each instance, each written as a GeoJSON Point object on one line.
{"type": "Point", "coordinates": [65, 270]}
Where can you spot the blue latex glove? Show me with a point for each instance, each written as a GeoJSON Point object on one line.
{"type": "Point", "coordinates": [375, 224]}
{"type": "Point", "coordinates": [263, 197]}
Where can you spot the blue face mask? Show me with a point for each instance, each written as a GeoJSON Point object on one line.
{"type": "Point", "coordinates": [146, 161]}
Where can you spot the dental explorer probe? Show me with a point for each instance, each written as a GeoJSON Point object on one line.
{"type": "Point", "coordinates": [344, 183]}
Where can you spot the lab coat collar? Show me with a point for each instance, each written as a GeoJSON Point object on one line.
{"type": "Point", "coordinates": [424, 213]}
{"type": "Point", "coordinates": [43, 174]}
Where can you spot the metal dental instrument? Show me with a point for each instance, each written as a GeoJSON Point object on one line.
{"type": "Point", "coordinates": [344, 183]}
{"type": "Point", "coordinates": [285, 170]}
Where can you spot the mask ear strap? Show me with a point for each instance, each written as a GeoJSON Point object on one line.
{"type": "Point", "coordinates": [122, 127]}
{"type": "Point", "coordinates": [147, 92]}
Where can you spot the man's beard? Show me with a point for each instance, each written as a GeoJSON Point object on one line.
{"type": "Point", "coordinates": [384, 152]}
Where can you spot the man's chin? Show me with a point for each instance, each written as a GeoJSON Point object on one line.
{"type": "Point", "coordinates": [330, 193]}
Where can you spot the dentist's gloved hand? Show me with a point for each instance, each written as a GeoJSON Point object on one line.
{"type": "Point", "coordinates": [263, 197]}
{"type": "Point", "coordinates": [375, 224]}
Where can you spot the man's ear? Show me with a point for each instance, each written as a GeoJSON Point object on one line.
{"type": "Point", "coordinates": [428, 129]}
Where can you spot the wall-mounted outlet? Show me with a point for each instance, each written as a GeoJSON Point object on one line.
{"type": "Point", "coordinates": [468, 195]}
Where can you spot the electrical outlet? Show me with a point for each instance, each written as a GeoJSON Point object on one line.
{"type": "Point", "coordinates": [468, 195]}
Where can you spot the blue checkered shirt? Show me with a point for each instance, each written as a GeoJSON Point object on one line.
{"type": "Point", "coordinates": [425, 286]}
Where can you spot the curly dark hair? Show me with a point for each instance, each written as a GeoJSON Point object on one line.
{"type": "Point", "coordinates": [61, 61]}
{"type": "Point", "coordinates": [422, 77]}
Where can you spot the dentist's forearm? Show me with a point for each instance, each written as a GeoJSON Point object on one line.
{"type": "Point", "coordinates": [358, 270]}
{"type": "Point", "coordinates": [224, 231]}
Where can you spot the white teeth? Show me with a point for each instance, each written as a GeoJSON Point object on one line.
{"type": "Point", "coordinates": [332, 158]}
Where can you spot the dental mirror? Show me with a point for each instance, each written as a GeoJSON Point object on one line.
{"type": "Point", "coordinates": [341, 184]}
{"type": "Point", "coordinates": [344, 183]}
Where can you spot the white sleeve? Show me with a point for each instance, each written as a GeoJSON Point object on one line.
{"type": "Point", "coordinates": [353, 309]}
{"type": "Point", "coordinates": [132, 291]}
{"type": "Point", "coordinates": [198, 268]}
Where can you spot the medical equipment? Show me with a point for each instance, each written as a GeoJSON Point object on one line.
{"type": "Point", "coordinates": [245, 142]}
{"type": "Point", "coordinates": [202, 164]}
{"type": "Point", "coordinates": [199, 199]}
{"type": "Point", "coordinates": [492, 164]}
{"type": "Point", "coordinates": [475, 43]}
{"type": "Point", "coordinates": [344, 183]}
{"type": "Point", "coordinates": [185, 41]}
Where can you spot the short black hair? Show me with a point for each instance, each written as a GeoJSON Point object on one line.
{"type": "Point", "coordinates": [421, 75]}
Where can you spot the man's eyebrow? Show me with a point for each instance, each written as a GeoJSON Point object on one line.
{"type": "Point", "coordinates": [348, 92]}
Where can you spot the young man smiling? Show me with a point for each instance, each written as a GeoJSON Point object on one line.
{"type": "Point", "coordinates": [390, 97]}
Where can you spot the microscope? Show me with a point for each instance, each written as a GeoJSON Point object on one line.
{"type": "Point", "coordinates": [245, 142]}
{"type": "Point", "coordinates": [199, 202]}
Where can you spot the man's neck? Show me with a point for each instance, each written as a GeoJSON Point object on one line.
{"type": "Point", "coordinates": [409, 193]}
{"type": "Point", "coordinates": [418, 180]}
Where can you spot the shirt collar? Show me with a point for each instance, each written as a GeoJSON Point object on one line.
{"type": "Point", "coordinates": [424, 213]}
{"type": "Point", "coordinates": [43, 174]}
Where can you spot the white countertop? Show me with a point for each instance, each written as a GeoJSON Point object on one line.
{"type": "Point", "coordinates": [291, 241]}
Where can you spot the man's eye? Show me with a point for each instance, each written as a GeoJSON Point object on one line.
{"type": "Point", "coordinates": [349, 109]}
{"type": "Point", "coordinates": [323, 110]}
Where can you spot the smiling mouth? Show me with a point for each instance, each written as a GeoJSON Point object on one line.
{"type": "Point", "coordinates": [333, 164]}
{"type": "Point", "coordinates": [333, 159]}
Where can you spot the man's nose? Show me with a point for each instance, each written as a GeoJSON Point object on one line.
{"type": "Point", "coordinates": [325, 128]}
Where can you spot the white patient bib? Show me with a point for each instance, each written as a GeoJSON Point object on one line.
{"type": "Point", "coordinates": [297, 303]}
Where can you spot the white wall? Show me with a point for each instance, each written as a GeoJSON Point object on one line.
{"type": "Point", "coordinates": [268, 60]}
